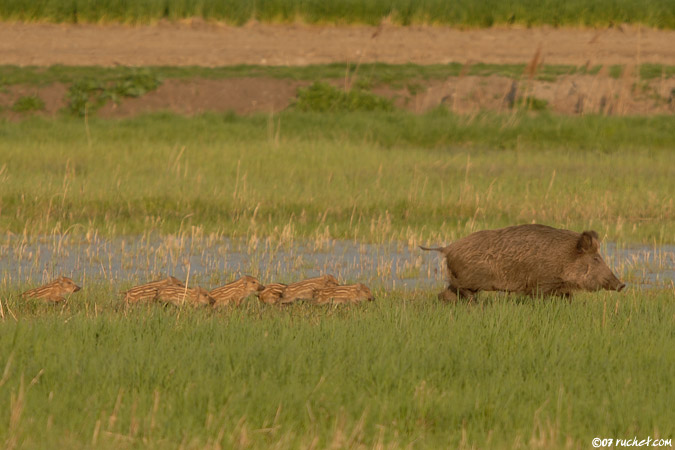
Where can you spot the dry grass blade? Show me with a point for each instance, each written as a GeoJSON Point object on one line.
{"type": "Point", "coordinates": [533, 65]}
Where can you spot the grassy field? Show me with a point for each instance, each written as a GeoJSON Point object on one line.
{"type": "Point", "coordinates": [404, 370]}
{"type": "Point", "coordinates": [371, 176]}
{"type": "Point", "coordinates": [469, 13]}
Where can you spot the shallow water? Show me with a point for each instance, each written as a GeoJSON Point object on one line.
{"type": "Point", "coordinates": [211, 262]}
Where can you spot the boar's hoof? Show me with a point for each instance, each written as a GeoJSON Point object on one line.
{"type": "Point", "coordinates": [448, 296]}
{"type": "Point", "coordinates": [453, 294]}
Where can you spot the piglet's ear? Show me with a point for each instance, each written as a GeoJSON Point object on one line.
{"type": "Point", "coordinates": [588, 242]}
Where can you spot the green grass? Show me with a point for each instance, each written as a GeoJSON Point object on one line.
{"type": "Point", "coordinates": [468, 13]}
{"type": "Point", "coordinates": [648, 71]}
{"type": "Point", "coordinates": [323, 97]}
{"type": "Point", "coordinates": [372, 176]}
{"type": "Point", "coordinates": [374, 73]}
{"type": "Point", "coordinates": [28, 103]}
{"type": "Point", "coordinates": [404, 370]}
{"type": "Point", "coordinates": [87, 95]}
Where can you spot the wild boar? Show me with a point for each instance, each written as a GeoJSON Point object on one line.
{"type": "Point", "coordinates": [53, 291]}
{"type": "Point", "coordinates": [304, 290]}
{"type": "Point", "coordinates": [526, 259]}
{"type": "Point", "coordinates": [350, 293]}
{"type": "Point", "coordinates": [236, 291]}
{"type": "Point", "coordinates": [148, 291]}
{"type": "Point", "coordinates": [272, 293]}
{"type": "Point", "coordinates": [179, 295]}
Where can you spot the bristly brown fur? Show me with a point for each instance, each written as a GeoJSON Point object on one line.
{"type": "Point", "coordinates": [53, 291]}
{"type": "Point", "coordinates": [526, 259]}
{"type": "Point", "coordinates": [148, 291]}
{"type": "Point", "coordinates": [352, 293]}
{"type": "Point", "coordinates": [179, 295]}
{"type": "Point", "coordinates": [236, 291]}
{"type": "Point", "coordinates": [304, 290]}
{"type": "Point", "coordinates": [272, 293]}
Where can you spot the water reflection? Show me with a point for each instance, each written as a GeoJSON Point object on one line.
{"type": "Point", "coordinates": [211, 262]}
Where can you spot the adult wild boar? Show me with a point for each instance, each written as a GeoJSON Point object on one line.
{"type": "Point", "coordinates": [526, 259]}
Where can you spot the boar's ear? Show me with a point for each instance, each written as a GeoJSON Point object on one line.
{"type": "Point", "coordinates": [588, 242]}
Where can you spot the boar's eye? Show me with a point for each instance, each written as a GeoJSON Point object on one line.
{"type": "Point", "coordinates": [597, 258]}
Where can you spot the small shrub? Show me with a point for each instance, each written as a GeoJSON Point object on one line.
{"type": "Point", "coordinates": [28, 103]}
{"type": "Point", "coordinates": [135, 84]}
{"type": "Point", "coordinates": [85, 95]}
{"type": "Point", "coordinates": [88, 95]}
{"type": "Point", "coordinates": [323, 97]}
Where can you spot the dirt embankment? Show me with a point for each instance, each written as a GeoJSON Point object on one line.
{"type": "Point", "coordinates": [202, 44]}
{"type": "Point", "coordinates": [573, 94]}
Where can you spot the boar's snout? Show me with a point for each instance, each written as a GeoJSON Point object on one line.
{"type": "Point", "coordinates": [614, 284]}
{"type": "Point", "coordinates": [618, 287]}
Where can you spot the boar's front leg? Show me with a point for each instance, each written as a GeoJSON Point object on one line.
{"type": "Point", "coordinates": [448, 296]}
{"type": "Point", "coordinates": [452, 294]}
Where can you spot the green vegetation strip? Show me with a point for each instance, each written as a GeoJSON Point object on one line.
{"type": "Point", "coordinates": [655, 13]}
{"type": "Point", "coordinates": [375, 176]}
{"type": "Point", "coordinates": [397, 372]}
{"type": "Point", "coordinates": [375, 73]}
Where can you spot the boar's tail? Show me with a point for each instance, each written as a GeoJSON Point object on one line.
{"type": "Point", "coordinates": [435, 249]}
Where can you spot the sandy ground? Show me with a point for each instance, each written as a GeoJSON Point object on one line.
{"type": "Point", "coordinates": [204, 44]}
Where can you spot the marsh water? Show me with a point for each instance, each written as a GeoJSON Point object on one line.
{"type": "Point", "coordinates": [211, 262]}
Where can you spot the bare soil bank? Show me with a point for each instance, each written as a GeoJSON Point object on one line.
{"type": "Point", "coordinates": [571, 94]}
